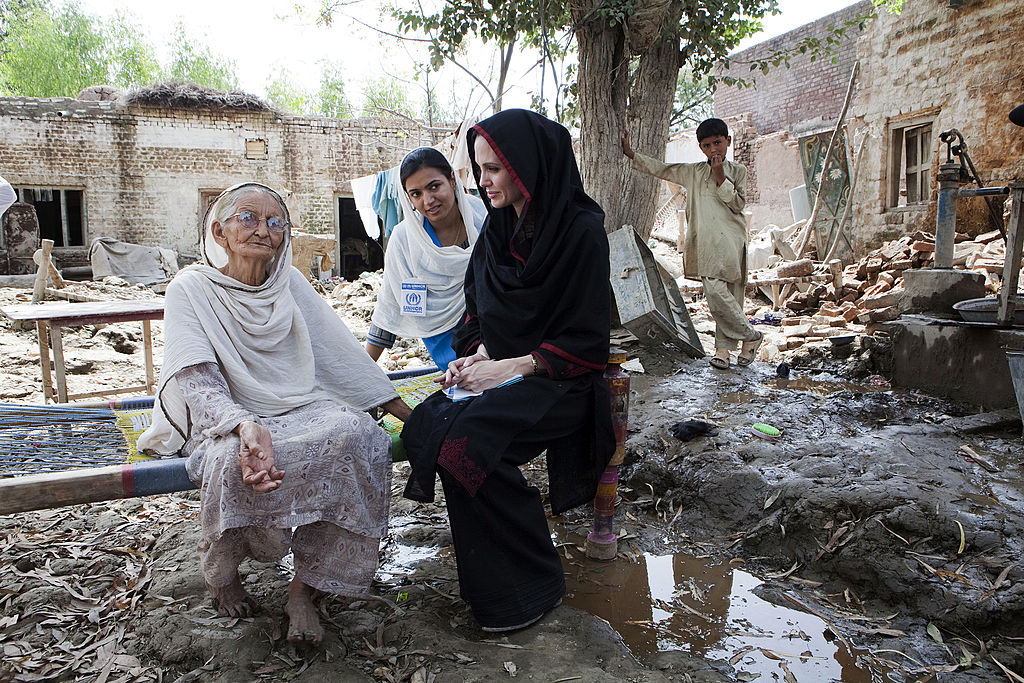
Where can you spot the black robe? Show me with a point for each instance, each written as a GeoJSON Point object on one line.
{"type": "Point", "coordinates": [537, 284]}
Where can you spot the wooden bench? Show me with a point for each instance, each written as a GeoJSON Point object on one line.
{"type": "Point", "coordinates": [146, 477]}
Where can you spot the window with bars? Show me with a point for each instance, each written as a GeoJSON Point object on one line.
{"type": "Point", "coordinates": [911, 165]}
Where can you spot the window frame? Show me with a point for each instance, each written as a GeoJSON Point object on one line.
{"type": "Point", "coordinates": [916, 179]}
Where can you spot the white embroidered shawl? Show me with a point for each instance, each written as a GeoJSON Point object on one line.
{"type": "Point", "coordinates": [279, 346]}
{"type": "Point", "coordinates": [412, 256]}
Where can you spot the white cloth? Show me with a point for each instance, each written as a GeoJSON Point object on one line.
{"type": "Point", "coordinates": [460, 153]}
{"type": "Point", "coordinates": [412, 256]}
{"type": "Point", "coordinates": [7, 195]}
{"type": "Point", "coordinates": [362, 193]}
{"type": "Point", "coordinates": [279, 346]}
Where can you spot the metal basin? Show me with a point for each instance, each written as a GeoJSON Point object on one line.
{"type": "Point", "coordinates": [985, 310]}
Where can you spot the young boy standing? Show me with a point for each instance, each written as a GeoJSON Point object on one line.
{"type": "Point", "coordinates": [715, 244]}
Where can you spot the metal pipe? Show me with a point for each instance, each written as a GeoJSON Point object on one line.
{"type": "Point", "coordinates": [983, 191]}
{"type": "Point", "coordinates": [945, 213]}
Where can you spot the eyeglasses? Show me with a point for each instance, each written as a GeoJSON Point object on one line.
{"type": "Point", "coordinates": [250, 221]}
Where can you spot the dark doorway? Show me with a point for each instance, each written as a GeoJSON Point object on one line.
{"type": "Point", "coordinates": [358, 252]}
{"type": "Point", "coordinates": [60, 212]}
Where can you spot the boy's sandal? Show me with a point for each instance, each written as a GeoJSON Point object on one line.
{"type": "Point", "coordinates": [719, 362]}
{"type": "Point", "coordinates": [748, 351]}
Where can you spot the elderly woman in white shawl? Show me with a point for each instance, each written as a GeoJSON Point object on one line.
{"type": "Point", "coordinates": [426, 259]}
{"type": "Point", "coordinates": [265, 391]}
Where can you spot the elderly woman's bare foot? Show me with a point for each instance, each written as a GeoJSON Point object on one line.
{"type": "Point", "coordinates": [232, 600]}
{"type": "Point", "coordinates": [303, 623]}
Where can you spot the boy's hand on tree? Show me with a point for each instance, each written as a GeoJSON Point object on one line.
{"type": "Point", "coordinates": [626, 149]}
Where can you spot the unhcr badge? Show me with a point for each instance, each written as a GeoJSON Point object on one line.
{"type": "Point", "coordinates": [414, 299]}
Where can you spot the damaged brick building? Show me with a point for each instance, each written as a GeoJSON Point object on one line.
{"type": "Point", "coordinates": [142, 168]}
{"type": "Point", "coordinates": [939, 64]}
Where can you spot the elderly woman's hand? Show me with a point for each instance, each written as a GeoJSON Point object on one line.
{"type": "Point", "coordinates": [256, 458]}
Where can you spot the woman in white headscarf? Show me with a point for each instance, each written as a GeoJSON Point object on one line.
{"type": "Point", "coordinates": [426, 259]}
{"type": "Point", "coordinates": [265, 391]}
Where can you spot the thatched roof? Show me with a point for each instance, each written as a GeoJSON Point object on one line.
{"type": "Point", "coordinates": [192, 96]}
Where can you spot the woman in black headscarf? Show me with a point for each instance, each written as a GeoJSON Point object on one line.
{"type": "Point", "coordinates": [537, 306]}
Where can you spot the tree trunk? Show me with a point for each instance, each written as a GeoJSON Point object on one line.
{"type": "Point", "coordinates": [605, 94]}
{"type": "Point", "coordinates": [650, 108]}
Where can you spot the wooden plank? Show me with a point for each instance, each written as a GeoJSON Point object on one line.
{"type": "Point", "coordinates": [57, 345]}
{"type": "Point", "coordinates": [1011, 266]}
{"type": "Point", "coordinates": [88, 313]}
{"type": "Point", "coordinates": [41, 491]}
{"type": "Point", "coordinates": [110, 392]}
{"type": "Point", "coordinates": [147, 348]}
{"type": "Point", "coordinates": [44, 360]}
{"type": "Point", "coordinates": [93, 484]}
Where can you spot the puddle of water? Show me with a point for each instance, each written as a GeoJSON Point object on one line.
{"type": "Point", "coordinates": [738, 397]}
{"type": "Point", "coordinates": [820, 387]}
{"type": "Point", "coordinates": [984, 501]}
{"type": "Point", "coordinates": [681, 602]}
{"type": "Point", "coordinates": [652, 604]}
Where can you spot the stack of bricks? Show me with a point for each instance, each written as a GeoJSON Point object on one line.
{"type": "Point", "coordinates": [872, 287]}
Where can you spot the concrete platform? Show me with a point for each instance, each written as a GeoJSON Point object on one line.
{"type": "Point", "coordinates": [965, 362]}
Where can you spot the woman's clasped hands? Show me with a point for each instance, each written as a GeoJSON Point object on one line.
{"type": "Point", "coordinates": [479, 372]}
{"type": "Point", "coordinates": [256, 458]}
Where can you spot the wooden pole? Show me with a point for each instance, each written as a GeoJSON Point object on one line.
{"type": "Point", "coordinates": [824, 164]}
{"type": "Point", "coordinates": [42, 259]}
{"type": "Point", "coordinates": [72, 487]}
{"type": "Point", "coordinates": [1011, 266]}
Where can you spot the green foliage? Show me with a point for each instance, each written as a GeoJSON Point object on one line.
{"type": "Point", "coordinates": [693, 100]}
{"type": "Point", "coordinates": [133, 60]}
{"type": "Point", "coordinates": [57, 53]}
{"type": "Point", "coordinates": [387, 96]}
{"type": "Point", "coordinates": [504, 22]}
{"type": "Point", "coordinates": [331, 100]}
{"type": "Point", "coordinates": [196, 63]}
{"type": "Point", "coordinates": [891, 6]}
{"type": "Point", "coordinates": [285, 95]}
{"type": "Point", "coordinates": [10, 10]}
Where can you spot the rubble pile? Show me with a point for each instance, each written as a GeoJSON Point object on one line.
{"type": "Point", "coordinates": [872, 288]}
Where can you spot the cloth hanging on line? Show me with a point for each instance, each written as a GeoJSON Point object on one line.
{"type": "Point", "coordinates": [386, 199]}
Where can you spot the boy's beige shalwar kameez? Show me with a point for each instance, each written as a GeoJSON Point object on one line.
{"type": "Point", "coordinates": [715, 243]}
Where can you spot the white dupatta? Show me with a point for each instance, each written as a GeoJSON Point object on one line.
{"type": "Point", "coordinates": [279, 345]}
{"type": "Point", "coordinates": [412, 256]}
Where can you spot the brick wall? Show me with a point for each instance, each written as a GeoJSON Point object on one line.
{"type": "Point", "coordinates": [959, 67]}
{"type": "Point", "coordinates": [805, 92]}
{"type": "Point", "coordinates": [142, 169]}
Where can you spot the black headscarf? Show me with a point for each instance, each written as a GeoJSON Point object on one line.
{"type": "Point", "coordinates": [538, 282]}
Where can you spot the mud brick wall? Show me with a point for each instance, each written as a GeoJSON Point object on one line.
{"type": "Point", "coordinates": [960, 67]}
{"type": "Point", "coordinates": [805, 91]}
{"type": "Point", "coordinates": [143, 169]}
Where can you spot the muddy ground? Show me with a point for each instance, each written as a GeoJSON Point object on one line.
{"type": "Point", "coordinates": [879, 538]}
